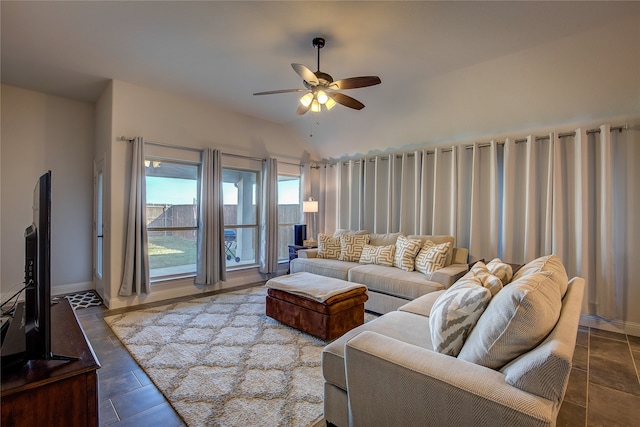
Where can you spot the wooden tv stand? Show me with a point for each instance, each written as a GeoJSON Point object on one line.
{"type": "Point", "coordinates": [52, 392]}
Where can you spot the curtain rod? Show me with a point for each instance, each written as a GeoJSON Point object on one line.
{"type": "Point", "coordinates": [199, 150]}
{"type": "Point", "coordinates": [560, 135]}
{"type": "Point", "coordinates": [517, 141]}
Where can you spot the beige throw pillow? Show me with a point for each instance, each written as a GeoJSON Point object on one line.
{"type": "Point", "coordinates": [518, 318]}
{"type": "Point", "coordinates": [328, 247]}
{"type": "Point", "coordinates": [502, 270]}
{"type": "Point", "coordinates": [380, 255]}
{"type": "Point", "coordinates": [432, 257]}
{"type": "Point", "coordinates": [546, 263]}
{"type": "Point", "coordinates": [487, 280]}
{"type": "Point", "coordinates": [455, 313]}
{"type": "Point", "coordinates": [406, 251]}
{"type": "Point", "coordinates": [351, 246]}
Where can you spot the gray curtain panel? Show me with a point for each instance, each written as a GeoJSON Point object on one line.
{"type": "Point", "coordinates": [211, 263]}
{"type": "Point", "coordinates": [135, 277]}
{"type": "Point", "coordinates": [269, 217]}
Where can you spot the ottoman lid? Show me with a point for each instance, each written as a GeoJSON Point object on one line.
{"type": "Point", "coordinates": [318, 288]}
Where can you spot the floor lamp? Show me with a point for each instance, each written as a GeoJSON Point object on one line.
{"type": "Point", "coordinates": [311, 206]}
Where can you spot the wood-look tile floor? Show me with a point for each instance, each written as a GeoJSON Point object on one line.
{"type": "Point", "coordinates": [603, 390]}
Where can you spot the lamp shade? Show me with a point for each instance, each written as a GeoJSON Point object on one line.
{"type": "Point", "coordinates": [309, 206]}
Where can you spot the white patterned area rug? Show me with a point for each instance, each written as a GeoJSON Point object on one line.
{"type": "Point", "coordinates": [220, 361]}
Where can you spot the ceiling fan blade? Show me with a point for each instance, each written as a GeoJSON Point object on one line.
{"type": "Point", "coordinates": [306, 74]}
{"type": "Point", "coordinates": [345, 100]}
{"type": "Point", "coordinates": [302, 109]}
{"type": "Point", "coordinates": [355, 82]}
{"type": "Point", "coordinates": [271, 92]}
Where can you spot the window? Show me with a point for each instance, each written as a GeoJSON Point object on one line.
{"type": "Point", "coordinates": [288, 212]}
{"type": "Point", "coordinates": [241, 192]}
{"type": "Point", "coordinates": [172, 216]}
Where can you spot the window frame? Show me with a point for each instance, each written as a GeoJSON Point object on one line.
{"type": "Point", "coordinates": [195, 228]}
{"type": "Point", "coordinates": [283, 241]}
{"type": "Point", "coordinates": [257, 197]}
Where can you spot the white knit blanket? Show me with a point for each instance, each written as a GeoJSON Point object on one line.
{"type": "Point", "coordinates": [319, 288]}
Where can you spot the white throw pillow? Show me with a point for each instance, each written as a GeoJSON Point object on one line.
{"type": "Point", "coordinates": [502, 270]}
{"type": "Point", "coordinates": [380, 255]}
{"type": "Point", "coordinates": [455, 313]}
{"type": "Point", "coordinates": [328, 247]}
{"type": "Point", "coordinates": [518, 318]}
{"type": "Point", "coordinates": [406, 251]}
{"type": "Point", "coordinates": [351, 246]}
{"type": "Point", "coordinates": [432, 257]}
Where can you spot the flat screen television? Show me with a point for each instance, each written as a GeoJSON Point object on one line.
{"type": "Point", "coordinates": [29, 334]}
{"type": "Point", "coordinates": [37, 272]}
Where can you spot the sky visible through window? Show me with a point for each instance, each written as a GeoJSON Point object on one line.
{"type": "Point", "coordinates": [175, 191]}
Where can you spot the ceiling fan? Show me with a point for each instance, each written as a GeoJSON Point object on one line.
{"type": "Point", "coordinates": [322, 90]}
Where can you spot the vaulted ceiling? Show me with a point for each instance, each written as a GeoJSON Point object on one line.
{"type": "Point", "coordinates": [450, 70]}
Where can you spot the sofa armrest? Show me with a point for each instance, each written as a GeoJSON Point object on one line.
{"type": "Point", "coordinates": [390, 382]}
{"type": "Point", "coordinates": [308, 253]}
{"type": "Point", "coordinates": [447, 276]}
{"type": "Point", "coordinates": [460, 256]}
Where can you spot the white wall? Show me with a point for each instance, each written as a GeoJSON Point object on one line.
{"type": "Point", "coordinates": [39, 133]}
{"type": "Point", "coordinates": [166, 118]}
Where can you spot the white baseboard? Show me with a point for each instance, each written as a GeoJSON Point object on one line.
{"type": "Point", "coordinates": [620, 326]}
{"type": "Point", "coordinates": [185, 287]}
{"type": "Point", "coordinates": [71, 288]}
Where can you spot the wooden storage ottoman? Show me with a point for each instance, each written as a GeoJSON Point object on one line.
{"type": "Point", "coordinates": [324, 318]}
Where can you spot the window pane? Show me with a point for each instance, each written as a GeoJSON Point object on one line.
{"type": "Point", "coordinates": [289, 213]}
{"type": "Point", "coordinates": [172, 252]}
{"type": "Point", "coordinates": [240, 246]}
{"type": "Point", "coordinates": [239, 197]}
{"type": "Point", "coordinates": [172, 190]}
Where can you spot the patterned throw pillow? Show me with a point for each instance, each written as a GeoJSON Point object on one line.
{"type": "Point", "coordinates": [488, 280]}
{"type": "Point", "coordinates": [432, 257]}
{"type": "Point", "coordinates": [503, 271]}
{"type": "Point", "coordinates": [351, 246]}
{"type": "Point", "coordinates": [406, 251]}
{"type": "Point", "coordinates": [380, 255]}
{"type": "Point", "coordinates": [328, 247]}
{"type": "Point", "coordinates": [455, 313]}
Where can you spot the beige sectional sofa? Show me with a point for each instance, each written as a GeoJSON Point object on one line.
{"type": "Point", "coordinates": [389, 287]}
{"type": "Point", "coordinates": [512, 368]}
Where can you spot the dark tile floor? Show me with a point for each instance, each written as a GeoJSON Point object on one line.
{"type": "Point", "coordinates": [603, 390]}
{"type": "Point", "coordinates": [604, 386]}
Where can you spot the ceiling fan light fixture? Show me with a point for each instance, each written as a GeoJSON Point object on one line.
{"type": "Point", "coordinates": [306, 99]}
{"type": "Point", "coordinates": [330, 103]}
{"type": "Point", "coordinates": [322, 97]}
{"type": "Point", "coordinates": [315, 106]}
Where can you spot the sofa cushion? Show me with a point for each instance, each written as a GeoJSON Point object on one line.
{"type": "Point", "coordinates": [384, 239]}
{"type": "Point", "coordinates": [517, 319]}
{"type": "Point", "coordinates": [455, 313]}
{"type": "Point", "coordinates": [328, 247]}
{"type": "Point", "coordinates": [380, 255]}
{"type": "Point", "coordinates": [323, 267]}
{"type": "Point", "coordinates": [422, 305]}
{"type": "Point", "coordinates": [437, 240]}
{"type": "Point", "coordinates": [502, 270]}
{"type": "Point", "coordinates": [340, 231]}
{"type": "Point", "coordinates": [432, 257]}
{"type": "Point", "coordinates": [400, 325]}
{"type": "Point", "coordinates": [406, 251]}
{"type": "Point", "coordinates": [393, 281]}
{"type": "Point", "coordinates": [351, 246]}
{"type": "Point", "coordinates": [546, 263]}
